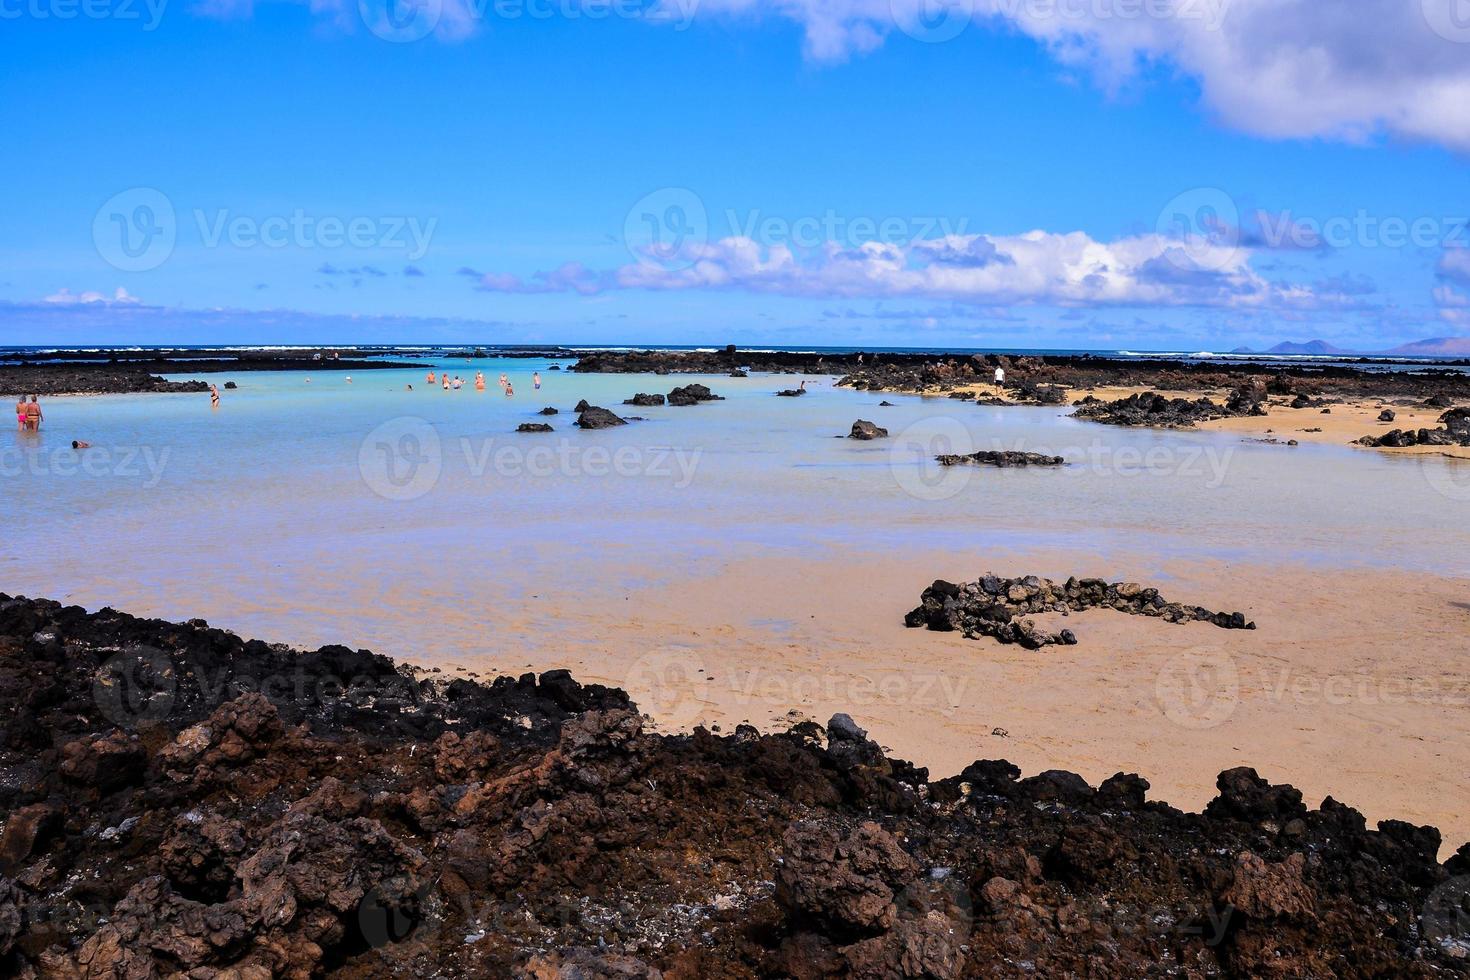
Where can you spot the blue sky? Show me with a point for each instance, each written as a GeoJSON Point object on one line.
{"type": "Point", "coordinates": [1206, 174]}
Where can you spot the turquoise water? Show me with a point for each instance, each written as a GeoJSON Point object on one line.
{"type": "Point", "coordinates": [319, 502]}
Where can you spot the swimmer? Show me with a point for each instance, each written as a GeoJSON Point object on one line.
{"type": "Point", "coordinates": [33, 414]}
{"type": "Point", "coordinates": [20, 412]}
{"type": "Point", "coordinates": [536, 380]}
{"type": "Point", "coordinates": [509, 391]}
{"type": "Point", "coordinates": [78, 444]}
{"type": "Point", "coordinates": [349, 379]}
{"type": "Point", "coordinates": [430, 378]}
{"type": "Point", "coordinates": [213, 397]}
{"type": "Point", "coordinates": [408, 387]}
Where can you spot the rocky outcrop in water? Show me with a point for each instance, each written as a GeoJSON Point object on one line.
{"type": "Point", "coordinates": [179, 801]}
{"type": "Point", "coordinates": [593, 417]}
{"type": "Point", "coordinates": [693, 394]}
{"type": "Point", "coordinates": [534, 427]}
{"type": "Point", "coordinates": [993, 606]}
{"type": "Point", "coordinates": [791, 392]}
{"type": "Point", "coordinates": [1002, 458]}
{"type": "Point", "coordinates": [865, 430]}
{"type": "Point", "coordinates": [644, 400]}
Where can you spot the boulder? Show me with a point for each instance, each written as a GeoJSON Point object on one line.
{"type": "Point", "coordinates": [693, 394]}
{"type": "Point", "coordinates": [593, 417]}
{"type": "Point", "coordinates": [863, 429]}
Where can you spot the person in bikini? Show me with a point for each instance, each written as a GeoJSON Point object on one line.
{"type": "Point", "coordinates": [213, 397]}
{"type": "Point", "coordinates": [536, 380]}
{"type": "Point", "coordinates": [33, 414]}
{"type": "Point", "coordinates": [20, 412]}
{"type": "Point", "coordinates": [479, 380]}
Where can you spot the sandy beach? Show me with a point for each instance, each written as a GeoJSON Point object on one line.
{"type": "Point", "coordinates": [1344, 423]}
{"type": "Point", "coordinates": [1367, 709]}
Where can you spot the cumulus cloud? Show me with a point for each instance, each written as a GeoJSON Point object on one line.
{"type": "Point", "coordinates": [1454, 306]}
{"type": "Point", "coordinates": [65, 297]}
{"type": "Point", "coordinates": [1276, 68]}
{"type": "Point", "coordinates": [1038, 267]}
{"type": "Point", "coordinates": [1454, 265]}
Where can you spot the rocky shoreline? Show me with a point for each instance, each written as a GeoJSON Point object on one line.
{"type": "Point", "coordinates": [1455, 431]}
{"type": "Point", "coordinates": [1034, 377]}
{"type": "Point", "coordinates": [178, 801]}
{"type": "Point", "coordinates": [124, 374]}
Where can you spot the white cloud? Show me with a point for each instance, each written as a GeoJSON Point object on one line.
{"type": "Point", "coordinates": [65, 297]}
{"type": "Point", "coordinates": [1276, 68]}
{"type": "Point", "coordinates": [1038, 267]}
{"type": "Point", "coordinates": [1348, 70]}
{"type": "Point", "coordinates": [1454, 264]}
{"type": "Point", "coordinates": [1454, 306]}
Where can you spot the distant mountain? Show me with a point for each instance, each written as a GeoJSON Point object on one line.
{"type": "Point", "coordinates": [1317, 347]}
{"type": "Point", "coordinates": [1435, 347]}
{"type": "Point", "coordinates": [1432, 347]}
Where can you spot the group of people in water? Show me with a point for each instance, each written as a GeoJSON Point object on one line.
{"type": "Point", "coordinates": [28, 415]}
{"type": "Point", "coordinates": [454, 384]}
